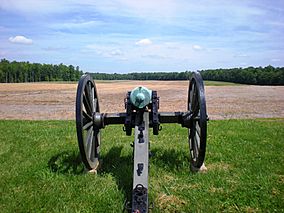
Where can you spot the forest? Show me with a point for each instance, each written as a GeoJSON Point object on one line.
{"type": "Point", "coordinates": [15, 72]}
{"type": "Point", "coordinates": [251, 75]}
{"type": "Point", "coordinates": [163, 76]}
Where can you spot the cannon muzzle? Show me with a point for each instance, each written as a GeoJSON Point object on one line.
{"type": "Point", "coordinates": [140, 97]}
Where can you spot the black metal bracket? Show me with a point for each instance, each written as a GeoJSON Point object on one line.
{"type": "Point", "coordinates": [128, 118]}
{"type": "Point", "coordinates": [154, 113]}
{"type": "Point", "coordinates": [140, 199]}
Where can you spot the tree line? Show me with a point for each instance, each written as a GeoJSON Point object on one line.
{"type": "Point", "coordinates": [17, 72]}
{"type": "Point", "coordinates": [163, 76]}
{"type": "Point", "coordinates": [251, 75]}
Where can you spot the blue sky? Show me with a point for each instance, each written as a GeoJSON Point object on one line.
{"type": "Point", "coordinates": [149, 35]}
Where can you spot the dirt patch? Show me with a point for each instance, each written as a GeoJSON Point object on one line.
{"type": "Point", "coordinates": [219, 166]}
{"type": "Point", "coordinates": [169, 202]}
{"type": "Point", "coordinates": [41, 101]}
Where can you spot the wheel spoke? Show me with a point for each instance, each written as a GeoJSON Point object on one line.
{"type": "Point", "coordinates": [195, 147]}
{"type": "Point", "coordinates": [86, 116]}
{"type": "Point", "coordinates": [89, 94]}
{"type": "Point", "coordinates": [93, 99]}
{"type": "Point", "coordinates": [197, 128]}
{"type": "Point", "coordinates": [192, 155]}
{"type": "Point", "coordinates": [191, 97]}
{"type": "Point", "coordinates": [98, 142]}
{"type": "Point", "coordinates": [195, 103]}
{"type": "Point", "coordinates": [197, 139]}
{"type": "Point", "coordinates": [97, 134]}
{"type": "Point", "coordinates": [89, 89]}
{"type": "Point", "coordinates": [95, 104]}
{"type": "Point", "coordinates": [89, 142]}
{"type": "Point", "coordinates": [87, 124]}
{"type": "Point", "coordinates": [93, 152]}
{"type": "Point", "coordinates": [192, 144]}
{"type": "Point", "coordinates": [87, 105]}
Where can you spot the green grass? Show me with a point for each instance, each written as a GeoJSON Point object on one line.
{"type": "Point", "coordinates": [220, 83]}
{"type": "Point", "coordinates": [41, 170]}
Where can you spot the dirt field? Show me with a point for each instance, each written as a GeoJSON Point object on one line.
{"type": "Point", "coordinates": [41, 101]}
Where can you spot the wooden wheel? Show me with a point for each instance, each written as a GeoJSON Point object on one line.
{"type": "Point", "coordinates": [87, 133]}
{"type": "Point", "coordinates": [198, 131]}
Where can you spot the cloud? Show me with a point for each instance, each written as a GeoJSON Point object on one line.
{"type": "Point", "coordinates": [144, 42]}
{"type": "Point", "coordinates": [155, 56]}
{"type": "Point", "coordinates": [116, 52]}
{"type": "Point", "coordinates": [32, 7]}
{"type": "Point", "coordinates": [104, 51]}
{"type": "Point", "coordinates": [54, 48]}
{"type": "Point", "coordinates": [20, 40]}
{"type": "Point", "coordinates": [196, 47]}
{"type": "Point", "coordinates": [77, 25]}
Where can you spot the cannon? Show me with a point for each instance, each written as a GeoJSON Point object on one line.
{"type": "Point", "coordinates": [141, 114]}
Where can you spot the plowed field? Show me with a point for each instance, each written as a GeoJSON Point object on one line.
{"type": "Point", "coordinates": [49, 101]}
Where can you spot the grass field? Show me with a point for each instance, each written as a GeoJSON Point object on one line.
{"type": "Point", "coordinates": [41, 169]}
{"type": "Point", "coordinates": [220, 83]}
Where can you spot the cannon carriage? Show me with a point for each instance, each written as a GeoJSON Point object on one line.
{"type": "Point", "coordinates": [141, 114]}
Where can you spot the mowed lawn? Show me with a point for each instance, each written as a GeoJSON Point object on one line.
{"type": "Point", "coordinates": [41, 169]}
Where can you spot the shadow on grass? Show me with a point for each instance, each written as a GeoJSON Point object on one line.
{"type": "Point", "coordinates": [120, 167]}
{"type": "Point", "coordinates": [66, 163]}
{"type": "Point", "coordinates": [170, 159]}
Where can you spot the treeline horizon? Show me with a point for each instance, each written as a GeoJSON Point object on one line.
{"type": "Point", "coordinates": [143, 76]}
{"type": "Point", "coordinates": [17, 72]}
{"type": "Point", "coordinates": [268, 75]}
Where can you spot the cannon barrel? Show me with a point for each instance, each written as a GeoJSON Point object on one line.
{"type": "Point", "coordinates": [140, 97]}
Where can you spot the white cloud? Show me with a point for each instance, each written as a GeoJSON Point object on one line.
{"type": "Point", "coordinates": [50, 48]}
{"type": "Point", "coordinates": [146, 8]}
{"type": "Point", "coordinates": [20, 40]}
{"type": "Point", "coordinates": [32, 7]}
{"type": "Point", "coordinates": [144, 42]}
{"type": "Point", "coordinates": [155, 56]}
{"type": "Point", "coordinates": [196, 47]}
{"type": "Point", "coordinates": [104, 51]}
{"type": "Point", "coordinates": [116, 52]}
{"type": "Point", "coordinates": [76, 25]}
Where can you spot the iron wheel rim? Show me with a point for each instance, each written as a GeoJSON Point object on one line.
{"type": "Point", "coordinates": [88, 134]}
{"type": "Point", "coordinates": [198, 132]}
